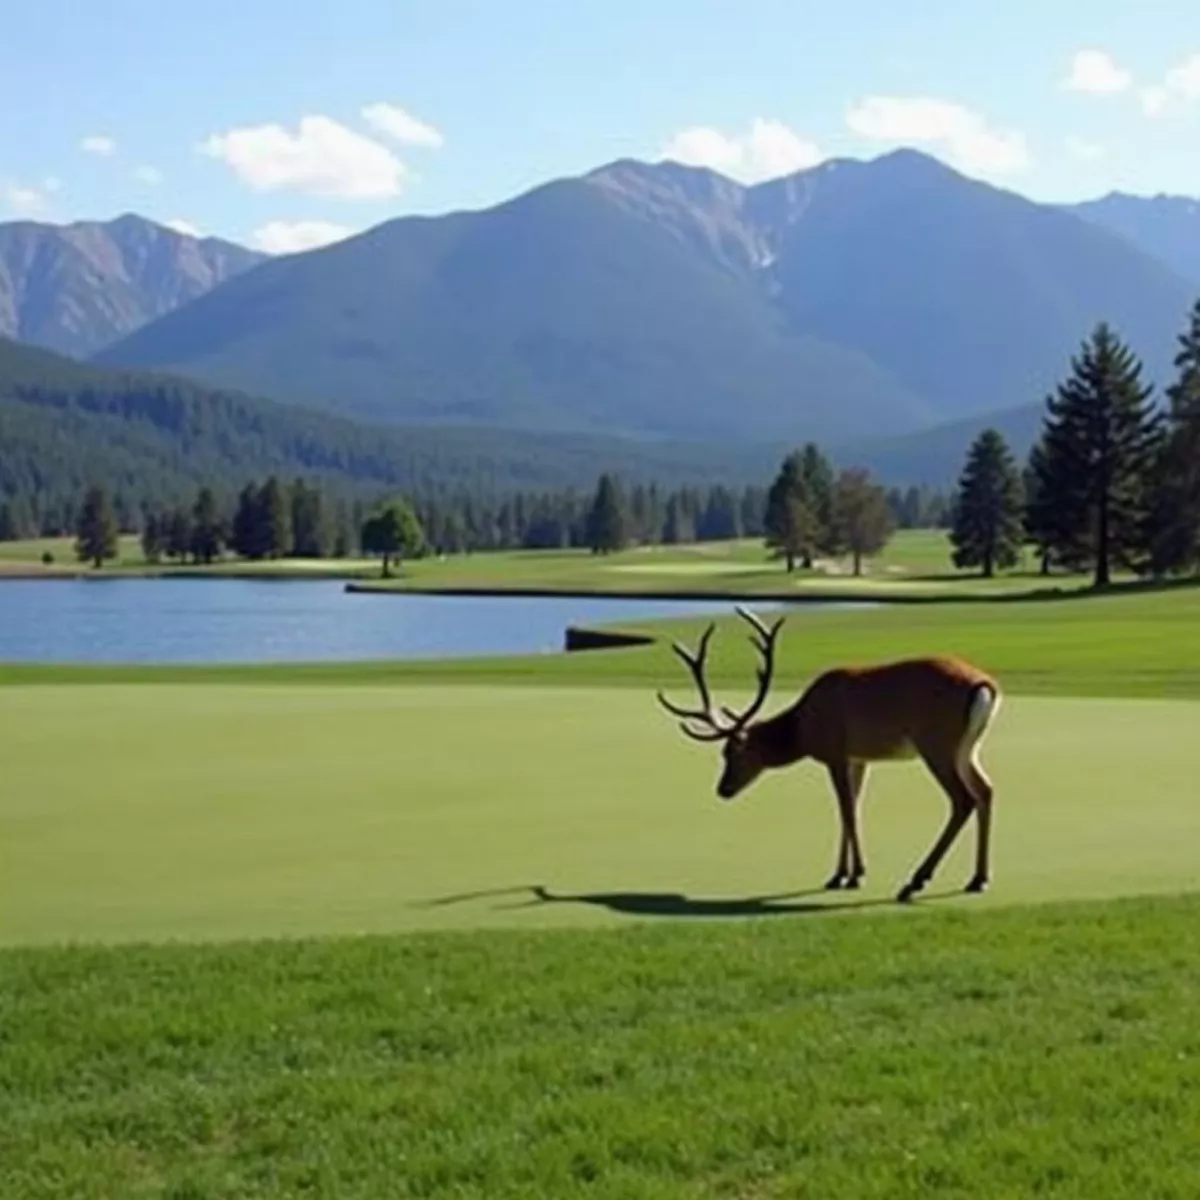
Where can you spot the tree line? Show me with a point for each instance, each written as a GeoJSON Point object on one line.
{"type": "Point", "coordinates": [1113, 481]}
{"type": "Point", "coordinates": [273, 519]}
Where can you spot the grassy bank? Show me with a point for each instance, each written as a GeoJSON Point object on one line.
{"type": "Point", "coordinates": [916, 565]}
{"type": "Point", "coordinates": [1045, 1052]}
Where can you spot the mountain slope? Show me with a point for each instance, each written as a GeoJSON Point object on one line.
{"type": "Point", "coordinates": [65, 424]}
{"type": "Point", "coordinates": [1167, 227]}
{"type": "Point", "coordinates": [662, 300]}
{"type": "Point", "coordinates": [76, 288]}
{"type": "Point", "coordinates": [558, 310]}
{"type": "Point", "coordinates": [974, 297]}
{"type": "Point", "coordinates": [935, 457]}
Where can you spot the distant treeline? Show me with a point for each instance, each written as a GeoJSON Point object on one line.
{"type": "Point", "coordinates": [273, 519]}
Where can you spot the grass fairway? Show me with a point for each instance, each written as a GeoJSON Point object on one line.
{"type": "Point", "coordinates": [582, 975]}
{"type": "Point", "coordinates": [239, 811]}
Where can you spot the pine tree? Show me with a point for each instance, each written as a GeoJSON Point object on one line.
{"type": "Point", "coordinates": [987, 530]}
{"type": "Point", "coordinates": [608, 522]}
{"type": "Point", "coordinates": [310, 523]}
{"type": "Point", "coordinates": [8, 523]}
{"type": "Point", "coordinates": [177, 540]}
{"type": "Point", "coordinates": [784, 498]}
{"type": "Point", "coordinates": [208, 529]}
{"type": "Point", "coordinates": [817, 484]}
{"type": "Point", "coordinates": [1173, 531]}
{"type": "Point", "coordinates": [805, 478]}
{"type": "Point", "coordinates": [152, 538]}
{"type": "Point", "coordinates": [247, 538]}
{"type": "Point", "coordinates": [1099, 445]}
{"type": "Point", "coordinates": [861, 517]}
{"type": "Point", "coordinates": [96, 533]}
{"type": "Point", "coordinates": [275, 513]}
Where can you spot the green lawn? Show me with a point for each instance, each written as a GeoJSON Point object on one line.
{"type": "Point", "coordinates": [916, 564]}
{"type": "Point", "coordinates": [515, 946]}
{"type": "Point", "coordinates": [992, 1055]}
{"type": "Point", "coordinates": [236, 811]}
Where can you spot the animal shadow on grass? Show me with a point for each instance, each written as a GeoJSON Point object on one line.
{"type": "Point", "coordinates": [677, 904]}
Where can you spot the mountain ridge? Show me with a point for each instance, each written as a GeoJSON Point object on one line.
{"type": "Point", "coordinates": [78, 286]}
{"type": "Point", "coordinates": [662, 300]}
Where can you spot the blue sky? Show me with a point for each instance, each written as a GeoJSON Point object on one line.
{"type": "Point", "coordinates": [286, 124]}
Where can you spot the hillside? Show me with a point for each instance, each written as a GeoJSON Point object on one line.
{"type": "Point", "coordinates": [934, 457]}
{"type": "Point", "coordinates": [667, 301]}
{"type": "Point", "coordinates": [556, 311]}
{"type": "Point", "coordinates": [1167, 227]}
{"type": "Point", "coordinates": [76, 288]}
{"type": "Point", "coordinates": [154, 438]}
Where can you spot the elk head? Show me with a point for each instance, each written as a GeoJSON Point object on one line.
{"type": "Point", "coordinates": [744, 753]}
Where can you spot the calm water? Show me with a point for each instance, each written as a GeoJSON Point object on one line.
{"type": "Point", "coordinates": [234, 620]}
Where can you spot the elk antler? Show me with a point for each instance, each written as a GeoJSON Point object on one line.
{"type": "Point", "coordinates": [718, 731]}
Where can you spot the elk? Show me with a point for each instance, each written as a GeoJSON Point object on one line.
{"type": "Point", "coordinates": [936, 709]}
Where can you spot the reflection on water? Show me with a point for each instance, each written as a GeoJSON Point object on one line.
{"type": "Point", "coordinates": [246, 621]}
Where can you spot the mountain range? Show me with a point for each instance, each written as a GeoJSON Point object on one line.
{"type": "Point", "coordinates": [886, 307]}
{"type": "Point", "coordinates": [77, 288]}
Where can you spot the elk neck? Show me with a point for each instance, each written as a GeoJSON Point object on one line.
{"type": "Point", "coordinates": [780, 738]}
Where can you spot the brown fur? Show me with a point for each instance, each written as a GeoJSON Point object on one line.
{"type": "Point", "coordinates": [850, 717]}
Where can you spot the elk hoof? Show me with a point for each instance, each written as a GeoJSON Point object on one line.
{"type": "Point", "coordinates": [834, 883]}
{"type": "Point", "coordinates": [978, 884]}
{"type": "Point", "coordinates": [853, 883]}
{"type": "Point", "coordinates": [907, 892]}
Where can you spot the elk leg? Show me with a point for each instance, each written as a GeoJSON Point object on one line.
{"type": "Point", "coordinates": [847, 781]}
{"type": "Point", "coordinates": [962, 803]}
{"type": "Point", "coordinates": [981, 789]}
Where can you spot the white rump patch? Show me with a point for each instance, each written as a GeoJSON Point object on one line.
{"type": "Point", "coordinates": [984, 706]}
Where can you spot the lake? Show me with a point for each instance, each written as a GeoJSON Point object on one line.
{"type": "Point", "coordinates": [259, 621]}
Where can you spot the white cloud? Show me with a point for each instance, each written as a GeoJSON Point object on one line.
{"type": "Point", "coordinates": [150, 176]}
{"type": "Point", "coordinates": [51, 184]}
{"type": "Point", "coordinates": [1184, 80]}
{"type": "Point", "coordinates": [23, 201]}
{"type": "Point", "coordinates": [291, 237]}
{"type": "Point", "coordinates": [185, 227]}
{"type": "Point", "coordinates": [770, 149]}
{"type": "Point", "coordinates": [322, 158]}
{"type": "Point", "coordinates": [1084, 150]}
{"type": "Point", "coordinates": [98, 144]}
{"type": "Point", "coordinates": [968, 140]}
{"type": "Point", "coordinates": [1181, 84]}
{"type": "Point", "coordinates": [403, 126]}
{"type": "Point", "coordinates": [1096, 72]}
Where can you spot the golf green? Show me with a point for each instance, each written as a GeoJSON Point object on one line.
{"type": "Point", "coordinates": [147, 813]}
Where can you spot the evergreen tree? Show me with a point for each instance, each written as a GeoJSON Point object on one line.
{"type": "Point", "coordinates": [207, 527]}
{"type": "Point", "coordinates": [276, 517]}
{"type": "Point", "coordinates": [311, 526]}
{"type": "Point", "coordinates": [247, 536]}
{"type": "Point", "coordinates": [805, 478]}
{"type": "Point", "coordinates": [783, 497]}
{"type": "Point", "coordinates": [1173, 530]}
{"type": "Point", "coordinates": [153, 538]}
{"type": "Point", "coordinates": [1038, 518]}
{"type": "Point", "coordinates": [817, 483]}
{"type": "Point", "coordinates": [861, 517]}
{"type": "Point", "coordinates": [1099, 445]}
{"type": "Point", "coordinates": [96, 533]}
{"type": "Point", "coordinates": [8, 523]}
{"type": "Point", "coordinates": [608, 520]}
{"type": "Point", "coordinates": [178, 539]}
{"type": "Point", "coordinates": [987, 530]}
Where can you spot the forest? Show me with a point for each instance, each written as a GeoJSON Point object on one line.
{"type": "Point", "coordinates": [1112, 484]}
